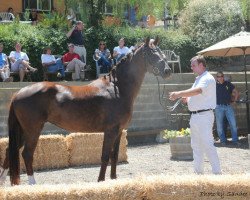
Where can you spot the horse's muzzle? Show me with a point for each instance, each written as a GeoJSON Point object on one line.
{"type": "Point", "coordinates": [167, 72]}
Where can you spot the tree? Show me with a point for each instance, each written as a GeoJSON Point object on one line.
{"type": "Point", "coordinates": [175, 6]}
{"type": "Point", "coordinates": [210, 21]}
{"type": "Point", "coordinates": [92, 11]}
{"type": "Point", "coordinates": [245, 6]}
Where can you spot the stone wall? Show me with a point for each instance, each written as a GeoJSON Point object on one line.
{"type": "Point", "coordinates": [149, 117]}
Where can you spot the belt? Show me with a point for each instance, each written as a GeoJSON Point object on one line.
{"type": "Point", "coordinates": [199, 111]}
{"type": "Point", "coordinates": [79, 45]}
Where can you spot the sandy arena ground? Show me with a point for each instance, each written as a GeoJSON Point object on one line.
{"type": "Point", "coordinates": [151, 159]}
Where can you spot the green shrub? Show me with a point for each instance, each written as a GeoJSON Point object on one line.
{"type": "Point", "coordinates": [210, 21]}
{"type": "Point", "coordinates": [35, 38]}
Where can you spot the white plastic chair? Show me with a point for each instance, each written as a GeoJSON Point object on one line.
{"type": "Point", "coordinates": [172, 59]}
{"type": "Point", "coordinates": [5, 16]}
{"type": "Point", "coordinates": [98, 73]}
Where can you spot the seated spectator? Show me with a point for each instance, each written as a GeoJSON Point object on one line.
{"type": "Point", "coordinates": [20, 62]}
{"type": "Point", "coordinates": [120, 51]}
{"type": "Point", "coordinates": [52, 64]}
{"type": "Point", "coordinates": [102, 55]}
{"type": "Point", "coordinates": [4, 66]}
{"type": "Point", "coordinates": [10, 10]}
{"type": "Point", "coordinates": [33, 17]}
{"type": "Point", "coordinates": [151, 43]}
{"type": "Point", "coordinates": [73, 63]}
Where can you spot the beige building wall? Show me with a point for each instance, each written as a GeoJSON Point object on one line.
{"type": "Point", "coordinates": [17, 5]}
{"type": "Point", "coordinates": [59, 5]}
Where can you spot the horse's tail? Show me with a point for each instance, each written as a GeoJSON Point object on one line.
{"type": "Point", "coordinates": [15, 142]}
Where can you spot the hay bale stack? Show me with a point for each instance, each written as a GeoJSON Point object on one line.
{"type": "Point", "coordinates": [86, 148]}
{"type": "Point", "coordinates": [229, 187]}
{"type": "Point", "coordinates": [198, 187]}
{"type": "Point", "coordinates": [3, 145]}
{"type": "Point", "coordinates": [51, 152]}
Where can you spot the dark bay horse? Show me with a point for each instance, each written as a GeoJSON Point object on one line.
{"type": "Point", "coordinates": [105, 105]}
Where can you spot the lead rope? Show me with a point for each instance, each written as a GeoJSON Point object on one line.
{"type": "Point", "coordinates": [161, 96]}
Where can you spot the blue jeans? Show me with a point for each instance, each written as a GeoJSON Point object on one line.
{"type": "Point", "coordinates": [105, 63]}
{"type": "Point", "coordinates": [119, 57]}
{"type": "Point", "coordinates": [58, 66]}
{"type": "Point", "coordinates": [220, 112]}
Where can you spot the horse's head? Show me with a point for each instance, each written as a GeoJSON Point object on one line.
{"type": "Point", "coordinates": [155, 60]}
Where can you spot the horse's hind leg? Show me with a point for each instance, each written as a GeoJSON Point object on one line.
{"type": "Point", "coordinates": [28, 153]}
{"type": "Point", "coordinates": [108, 142]}
{"type": "Point", "coordinates": [5, 168]}
{"type": "Point", "coordinates": [114, 156]}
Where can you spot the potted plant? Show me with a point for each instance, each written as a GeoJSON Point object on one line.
{"type": "Point", "coordinates": [180, 143]}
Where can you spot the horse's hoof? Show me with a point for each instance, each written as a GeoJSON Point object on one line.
{"type": "Point", "coordinates": [2, 180]}
{"type": "Point", "coordinates": [101, 179]}
{"type": "Point", "coordinates": [32, 180]}
{"type": "Point", "coordinates": [3, 175]}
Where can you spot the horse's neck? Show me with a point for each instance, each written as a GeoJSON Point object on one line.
{"type": "Point", "coordinates": [131, 78]}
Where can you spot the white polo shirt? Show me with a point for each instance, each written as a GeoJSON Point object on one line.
{"type": "Point", "coordinates": [18, 56]}
{"type": "Point", "coordinates": [47, 58]}
{"type": "Point", "coordinates": [207, 99]}
{"type": "Point", "coordinates": [123, 50]}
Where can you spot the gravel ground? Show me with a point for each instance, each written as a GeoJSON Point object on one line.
{"type": "Point", "coordinates": [151, 159]}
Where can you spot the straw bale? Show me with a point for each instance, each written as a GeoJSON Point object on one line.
{"type": "Point", "coordinates": [198, 187]}
{"type": "Point", "coordinates": [86, 148]}
{"type": "Point", "coordinates": [233, 187]}
{"type": "Point", "coordinates": [3, 146]}
{"type": "Point", "coordinates": [51, 152]}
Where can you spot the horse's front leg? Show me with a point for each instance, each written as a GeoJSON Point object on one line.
{"type": "Point", "coordinates": [5, 169]}
{"type": "Point", "coordinates": [114, 156]}
{"type": "Point", "coordinates": [108, 142]}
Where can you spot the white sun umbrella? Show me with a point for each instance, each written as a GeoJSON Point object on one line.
{"type": "Point", "coordinates": [236, 45]}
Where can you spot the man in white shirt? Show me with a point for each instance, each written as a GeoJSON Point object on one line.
{"type": "Point", "coordinates": [201, 100]}
{"type": "Point", "coordinates": [52, 64]}
{"type": "Point", "coordinates": [20, 62]}
{"type": "Point", "coordinates": [120, 51]}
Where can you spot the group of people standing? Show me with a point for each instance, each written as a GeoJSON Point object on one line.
{"type": "Point", "coordinates": [206, 95]}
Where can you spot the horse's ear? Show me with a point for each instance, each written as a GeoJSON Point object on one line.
{"type": "Point", "coordinates": [157, 40]}
{"type": "Point", "coordinates": [147, 41]}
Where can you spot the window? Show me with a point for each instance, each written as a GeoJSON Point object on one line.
{"type": "Point", "coordinates": [44, 5]}
{"type": "Point", "coordinates": [108, 9]}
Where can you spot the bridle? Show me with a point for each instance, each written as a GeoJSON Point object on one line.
{"type": "Point", "coordinates": [157, 72]}
{"type": "Point", "coordinates": [148, 61]}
